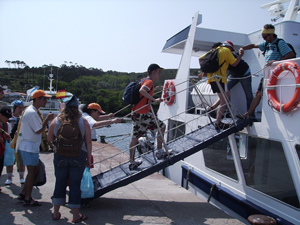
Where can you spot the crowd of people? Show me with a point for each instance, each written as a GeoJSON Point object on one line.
{"type": "Point", "coordinates": [27, 126]}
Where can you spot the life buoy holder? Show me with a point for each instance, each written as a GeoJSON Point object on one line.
{"type": "Point", "coordinates": [169, 92]}
{"type": "Point", "coordinates": [272, 98]}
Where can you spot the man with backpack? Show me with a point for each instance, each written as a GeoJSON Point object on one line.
{"type": "Point", "coordinates": [142, 117]}
{"type": "Point", "coordinates": [273, 48]}
{"type": "Point", "coordinates": [224, 57]}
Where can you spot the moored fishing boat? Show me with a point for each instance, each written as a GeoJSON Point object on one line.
{"type": "Point", "coordinates": [53, 105]}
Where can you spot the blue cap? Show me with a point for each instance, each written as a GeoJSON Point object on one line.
{"type": "Point", "coordinates": [70, 101]}
{"type": "Point", "coordinates": [17, 102]}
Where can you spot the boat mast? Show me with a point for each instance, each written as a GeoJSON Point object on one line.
{"type": "Point", "coordinates": [277, 9]}
{"type": "Point", "coordinates": [51, 79]}
{"type": "Point", "coordinates": [292, 11]}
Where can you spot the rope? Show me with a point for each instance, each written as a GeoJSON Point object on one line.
{"type": "Point", "coordinates": [118, 135]}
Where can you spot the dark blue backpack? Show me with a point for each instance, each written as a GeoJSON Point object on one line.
{"type": "Point", "coordinates": [276, 43]}
{"type": "Point", "coordinates": [131, 94]}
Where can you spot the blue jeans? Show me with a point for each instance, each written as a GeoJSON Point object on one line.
{"type": "Point", "coordinates": [68, 168]}
{"type": "Point", "coordinates": [246, 85]}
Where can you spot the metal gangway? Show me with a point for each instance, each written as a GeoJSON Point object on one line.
{"type": "Point", "coordinates": [182, 147]}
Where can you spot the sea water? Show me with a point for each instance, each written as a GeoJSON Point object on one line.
{"type": "Point", "coordinates": [118, 134]}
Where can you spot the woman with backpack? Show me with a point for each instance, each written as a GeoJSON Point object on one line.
{"type": "Point", "coordinates": [69, 130]}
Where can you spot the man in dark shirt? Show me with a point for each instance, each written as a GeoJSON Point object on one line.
{"type": "Point", "coordinates": [241, 73]}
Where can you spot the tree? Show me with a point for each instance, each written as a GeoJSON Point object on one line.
{"type": "Point", "coordinates": [8, 63]}
{"type": "Point", "coordinates": [18, 63]}
{"type": "Point", "coordinates": [14, 63]}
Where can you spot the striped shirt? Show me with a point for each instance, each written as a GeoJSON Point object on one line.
{"type": "Point", "coordinates": [273, 53]}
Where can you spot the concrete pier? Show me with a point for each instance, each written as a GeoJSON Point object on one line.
{"type": "Point", "coordinates": [152, 200]}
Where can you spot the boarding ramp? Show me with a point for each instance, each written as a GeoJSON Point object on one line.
{"type": "Point", "coordinates": [182, 147]}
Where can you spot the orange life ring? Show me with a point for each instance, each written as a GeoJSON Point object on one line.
{"type": "Point", "coordinates": [295, 70]}
{"type": "Point", "coordinates": [169, 92]}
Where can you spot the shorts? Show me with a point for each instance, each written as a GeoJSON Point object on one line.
{"type": "Point", "coordinates": [144, 122]}
{"type": "Point", "coordinates": [29, 158]}
{"type": "Point", "coordinates": [215, 87]}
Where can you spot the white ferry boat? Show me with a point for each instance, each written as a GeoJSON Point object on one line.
{"type": "Point", "coordinates": [257, 170]}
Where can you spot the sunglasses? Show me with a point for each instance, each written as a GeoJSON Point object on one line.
{"type": "Point", "coordinates": [265, 37]}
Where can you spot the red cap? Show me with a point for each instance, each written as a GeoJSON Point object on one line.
{"type": "Point", "coordinates": [228, 44]}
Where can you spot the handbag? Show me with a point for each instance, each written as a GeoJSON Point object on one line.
{"type": "Point", "coordinates": [87, 185]}
{"type": "Point", "coordinates": [9, 155]}
{"type": "Point", "coordinates": [40, 178]}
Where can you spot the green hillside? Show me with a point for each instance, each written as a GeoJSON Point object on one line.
{"type": "Point", "coordinates": [88, 84]}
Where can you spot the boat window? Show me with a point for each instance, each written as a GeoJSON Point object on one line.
{"type": "Point", "coordinates": [266, 170]}
{"type": "Point", "coordinates": [218, 157]}
{"type": "Point", "coordinates": [298, 151]}
{"type": "Point", "coordinates": [176, 129]}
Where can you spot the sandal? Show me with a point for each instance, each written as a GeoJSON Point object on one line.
{"type": "Point", "coordinates": [21, 197]}
{"type": "Point", "coordinates": [31, 202]}
{"type": "Point", "coordinates": [56, 218]}
{"type": "Point", "coordinates": [222, 126]}
{"type": "Point", "coordinates": [82, 218]}
{"type": "Point", "coordinates": [243, 117]}
{"type": "Point", "coordinates": [240, 117]}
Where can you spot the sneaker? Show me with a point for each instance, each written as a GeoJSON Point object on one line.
{"type": "Point", "coordinates": [8, 182]}
{"type": "Point", "coordinates": [161, 153]}
{"type": "Point", "coordinates": [22, 180]}
{"type": "Point", "coordinates": [135, 164]}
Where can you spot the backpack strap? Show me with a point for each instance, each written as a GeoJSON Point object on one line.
{"type": "Point", "coordinates": [267, 47]}
{"type": "Point", "coordinates": [222, 63]}
{"type": "Point", "coordinates": [148, 91]}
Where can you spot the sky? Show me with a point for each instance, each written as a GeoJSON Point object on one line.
{"type": "Point", "coordinates": [118, 35]}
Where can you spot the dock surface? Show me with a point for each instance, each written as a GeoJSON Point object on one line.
{"type": "Point", "coordinates": [152, 200]}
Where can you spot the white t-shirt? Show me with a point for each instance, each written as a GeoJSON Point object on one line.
{"type": "Point", "coordinates": [91, 122]}
{"type": "Point", "coordinates": [29, 140]}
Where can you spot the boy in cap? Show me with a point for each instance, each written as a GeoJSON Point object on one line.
{"type": "Point", "coordinates": [226, 58]}
{"type": "Point", "coordinates": [93, 114]}
{"type": "Point", "coordinates": [241, 70]}
{"type": "Point", "coordinates": [5, 114]}
{"type": "Point", "coordinates": [142, 117]}
{"type": "Point", "coordinates": [29, 141]}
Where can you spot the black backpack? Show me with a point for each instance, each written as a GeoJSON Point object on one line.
{"type": "Point", "coordinates": [131, 94]}
{"type": "Point", "coordinates": [68, 141]}
{"type": "Point", "coordinates": [276, 43]}
{"type": "Point", "coordinates": [210, 62]}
